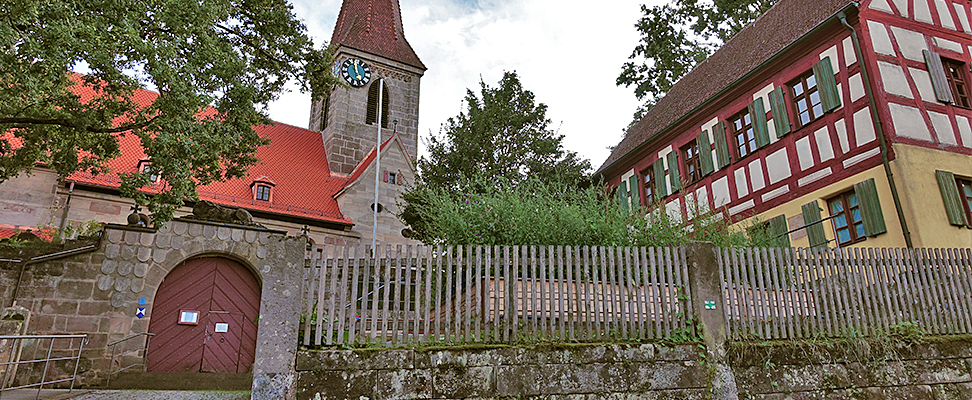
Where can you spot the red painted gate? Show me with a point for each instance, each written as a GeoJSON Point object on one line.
{"type": "Point", "coordinates": [204, 318]}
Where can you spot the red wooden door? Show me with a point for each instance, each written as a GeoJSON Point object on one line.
{"type": "Point", "coordinates": [204, 318]}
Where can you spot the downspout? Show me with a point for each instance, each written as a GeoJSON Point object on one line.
{"type": "Point", "coordinates": [67, 207]}
{"type": "Point", "coordinates": [876, 120]}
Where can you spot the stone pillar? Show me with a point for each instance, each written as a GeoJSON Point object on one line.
{"type": "Point", "coordinates": [274, 368]}
{"type": "Point", "coordinates": [708, 306]}
{"type": "Point", "coordinates": [13, 321]}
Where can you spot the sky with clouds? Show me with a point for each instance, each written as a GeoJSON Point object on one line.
{"type": "Point", "coordinates": [568, 53]}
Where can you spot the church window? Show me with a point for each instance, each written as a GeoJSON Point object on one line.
{"type": "Point", "coordinates": [372, 112]}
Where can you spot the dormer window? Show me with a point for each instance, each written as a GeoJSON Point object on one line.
{"type": "Point", "coordinates": [262, 189]}
{"type": "Point", "coordinates": [145, 166]}
{"type": "Point", "coordinates": [263, 192]}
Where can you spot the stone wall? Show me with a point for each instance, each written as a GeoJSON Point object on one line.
{"type": "Point", "coordinates": [97, 293]}
{"type": "Point", "coordinates": [571, 371]}
{"type": "Point", "coordinates": [939, 369]}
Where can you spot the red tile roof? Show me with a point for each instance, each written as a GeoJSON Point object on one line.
{"type": "Point", "coordinates": [776, 29]}
{"type": "Point", "coordinates": [294, 161]}
{"type": "Point", "coordinates": [374, 26]}
{"type": "Point", "coordinates": [5, 233]}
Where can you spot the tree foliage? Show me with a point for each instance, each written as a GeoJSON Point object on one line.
{"type": "Point", "coordinates": [215, 63]}
{"type": "Point", "coordinates": [537, 212]}
{"type": "Point", "coordinates": [502, 133]}
{"type": "Point", "coordinates": [677, 36]}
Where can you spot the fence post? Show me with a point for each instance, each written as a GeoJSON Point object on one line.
{"type": "Point", "coordinates": [708, 307]}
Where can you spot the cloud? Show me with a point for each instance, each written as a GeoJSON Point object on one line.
{"type": "Point", "coordinates": [568, 53]}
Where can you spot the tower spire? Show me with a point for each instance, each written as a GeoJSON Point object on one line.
{"type": "Point", "coordinates": [375, 27]}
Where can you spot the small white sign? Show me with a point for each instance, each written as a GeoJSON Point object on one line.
{"type": "Point", "coordinates": [221, 327]}
{"type": "Point", "coordinates": [189, 317]}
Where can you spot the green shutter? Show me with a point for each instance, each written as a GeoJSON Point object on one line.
{"type": "Point", "coordinates": [951, 197]}
{"type": "Point", "coordinates": [660, 188]}
{"type": "Point", "coordinates": [722, 147]}
{"type": "Point", "coordinates": [635, 196]}
{"type": "Point", "coordinates": [777, 227]}
{"type": "Point", "coordinates": [815, 232]}
{"type": "Point", "coordinates": [933, 61]}
{"type": "Point", "coordinates": [826, 84]}
{"type": "Point", "coordinates": [781, 120]}
{"type": "Point", "coordinates": [673, 175]}
{"type": "Point", "coordinates": [705, 152]}
{"type": "Point", "coordinates": [873, 218]}
{"type": "Point", "coordinates": [758, 113]}
{"type": "Point", "coordinates": [623, 197]}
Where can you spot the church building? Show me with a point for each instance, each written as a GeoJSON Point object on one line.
{"type": "Point", "coordinates": [321, 178]}
{"type": "Point", "coordinates": [827, 123]}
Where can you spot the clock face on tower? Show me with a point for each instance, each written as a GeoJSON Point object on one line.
{"type": "Point", "coordinates": [355, 72]}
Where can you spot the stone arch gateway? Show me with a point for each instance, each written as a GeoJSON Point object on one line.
{"type": "Point", "coordinates": [205, 318]}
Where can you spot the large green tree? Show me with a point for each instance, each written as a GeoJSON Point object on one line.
{"type": "Point", "coordinates": [678, 35]}
{"type": "Point", "coordinates": [216, 64]}
{"type": "Point", "coordinates": [503, 132]}
{"type": "Point", "coordinates": [502, 139]}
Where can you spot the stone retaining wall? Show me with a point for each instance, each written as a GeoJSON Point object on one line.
{"type": "Point", "coordinates": [572, 371]}
{"type": "Point", "coordinates": [886, 368]}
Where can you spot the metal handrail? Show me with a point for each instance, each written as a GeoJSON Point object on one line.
{"type": "Point", "coordinates": [111, 361]}
{"type": "Point", "coordinates": [47, 360]}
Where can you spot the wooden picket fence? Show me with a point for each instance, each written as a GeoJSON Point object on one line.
{"type": "Point", "coordinates": [498, 294]}
{"type": "Point", "coordinates": [806, 293]}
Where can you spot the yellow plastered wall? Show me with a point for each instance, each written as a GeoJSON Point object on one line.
{"type": "Point", "coordinates": [914, 173]}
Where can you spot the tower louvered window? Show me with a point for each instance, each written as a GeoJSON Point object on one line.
{"type": "Point", "coordinates": [372, 112]}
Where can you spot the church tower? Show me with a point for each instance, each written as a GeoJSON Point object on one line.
{"type": "Point", "coordinates": [371, 45]}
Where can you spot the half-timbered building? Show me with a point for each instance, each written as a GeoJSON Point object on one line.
{"type": "Point", "coordinates": [848, 120]}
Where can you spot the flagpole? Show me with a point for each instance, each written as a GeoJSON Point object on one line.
{"type": "Point", "coordinates": [374, 207]}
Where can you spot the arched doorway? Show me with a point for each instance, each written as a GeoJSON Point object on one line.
{"type": "Point", "coordinates": [204, 318]}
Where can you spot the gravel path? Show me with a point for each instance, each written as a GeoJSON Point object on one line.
{"type": "Point", "coordinates": [162, 395]}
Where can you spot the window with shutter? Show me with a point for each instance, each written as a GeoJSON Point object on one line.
{"type": "Point", "coordinates": [758, 114]}
{"type": "Point", "coordinates": [674, 179]}
{"type": "Point", "coordinates": [957, 196]}
{"type": "Point", "coordinates": [691, 159]}
{"type": "Point", "coordinates": [823, 72]}
{"type": "Point", "coordinates": [777, 231]}
{"type": "Point", "coordinates": [870, 208]}
{"type": "Point", "coordinates": [705, 153]}
{"type": "Point", "coordinates": [658, 168]}
{"type": "Point", "coordinates": [848, 222]}
{"type": "Point", "coordinates": [955, 74]}
{"type": "Point", "coordinates": [633, 195]}
{"type": "Point", "coordinates": [781, 120]}
{"type": "Point", "coordinates": [744, 138]}
{"type": "Point", "coordinates": [722, 147]}
{"type": "Point", "coordinates": [806, 98]}
{"type": "Point", "coordinates": [815, 230]}
{"type": "Point", "coordinates": [965, 192]}
{"type": "Point", "coordinates": [623, 197]}
{"type": "Point", "coordinates": [648, 188]}
{"type": "Point", "coordinates": [936, 71]}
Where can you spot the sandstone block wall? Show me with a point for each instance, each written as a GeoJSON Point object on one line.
{"type": "Point", "coordinates": [97, 293]}
{"type": "Point", "coordinates": [572, 371]}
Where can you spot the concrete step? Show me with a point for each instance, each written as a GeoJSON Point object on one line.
{"type": "Point", "coordinates": [181, 381]}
